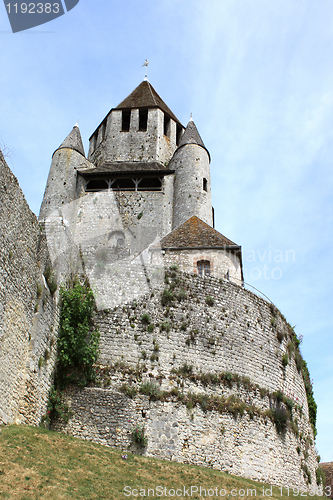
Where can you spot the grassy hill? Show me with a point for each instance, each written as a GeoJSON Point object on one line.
{"type": "Point", "coordinates": [39, 464]}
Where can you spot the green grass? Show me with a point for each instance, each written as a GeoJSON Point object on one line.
{"type": "Point", "coordinates": [39, 464]}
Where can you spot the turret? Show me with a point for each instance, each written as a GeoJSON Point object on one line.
{"type": "Point", "coordinates": [61, 184]}
{"type": "Point", "coordinates": [192, 188]}
{"type": "Point", "coordinates": [141, 128]}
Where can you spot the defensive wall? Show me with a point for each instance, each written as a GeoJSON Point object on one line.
{"type": "Point", "coordinates": [199, 363]}
{"type": "Point", "coordinates": [28, 311]}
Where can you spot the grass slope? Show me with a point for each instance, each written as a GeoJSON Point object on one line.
{"type": "Point", "coordinates": [39, 464]}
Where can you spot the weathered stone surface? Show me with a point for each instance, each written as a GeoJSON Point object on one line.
{"type": "Point", "coordinates": [235, 335]}
{"type": "Point", "coordinates": [28, 313]}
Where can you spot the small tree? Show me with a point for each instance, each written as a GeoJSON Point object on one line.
{"type": "Point", "coordinates": [78, 342]}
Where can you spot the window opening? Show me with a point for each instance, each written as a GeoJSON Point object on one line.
{"type": "Point", "coordinates": [179, 133]}
{"type": "Point", "coordinates": [167, 125]}
{"type": "Point", "coordinates": [150, 184]}
{"type": "Point", "coordinates": [203, 267]}
{"type": "Point", "coordinates": [143, 119]}
{"type": "Point", "coordinates": [96, 185]}
{"type": "Point", "coordinates": [204, 184]}
{"type": "Point", "coordinates": [124, 184]}
{"type": "Point", "coordinates": [126, 120]}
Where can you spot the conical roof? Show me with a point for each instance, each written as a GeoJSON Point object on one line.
{"type": "Point", "coordinates": [192, 136]}
{"type": "Point", "coordinates": [195, 233]}
{"type": "Point", "coordinates": [73, 141]}
{"type": "Point", "coordinates": [145, 96]}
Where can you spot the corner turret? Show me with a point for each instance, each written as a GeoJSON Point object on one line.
{"type": "Point", "coordinates": [192, 187]}
{"type": "Point", "coordinates": [61, 182]}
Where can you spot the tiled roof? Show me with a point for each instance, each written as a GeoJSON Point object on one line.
{"type": "Point", "coordinates": [194, 233]}
{"type": "Point", "coordinates": [126, 167]}
{"type": "Point", "coordinates": [191, 135]}
{"type": "Point", "coordinates": [328, 469]}
{"type": "Point", "coordinates": [145, 96]}
{"type": "Point", "coordinates": [73, 141]}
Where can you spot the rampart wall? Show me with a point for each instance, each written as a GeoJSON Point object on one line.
{"type": "Point", "coordinates": [28, 312]}
{"type": "Point", "coordinates": [200, 369]}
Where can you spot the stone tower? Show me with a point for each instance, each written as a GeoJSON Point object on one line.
{"type": "Point", "coordinates": [61, 183]}
{"type": "Point", "coordinates": [140, 129]}
{"type": "Point", "coordinates": [192, 188]}
{"type": "Point", "coordinates": [150, 171]}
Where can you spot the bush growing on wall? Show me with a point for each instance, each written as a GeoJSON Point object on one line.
{"type": "Point", "coordinates": [77, 343]}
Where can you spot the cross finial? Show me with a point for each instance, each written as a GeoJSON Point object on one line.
{"type": "Point", "coordinates": [146, 65]}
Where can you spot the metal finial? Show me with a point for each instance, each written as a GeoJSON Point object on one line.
{"type": "Point", "coordinates": [191, 118]}
{"type": "Point", "coordinates": [77, 123]}
{"type": "Point", "coordinates": [146, 65]}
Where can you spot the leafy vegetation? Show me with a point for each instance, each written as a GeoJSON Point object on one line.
{"type": "Point", "coordinates": [78, 342]}
{"type": "Point", "coordinates": [138, 435]}
{"type": "Point", "coordinates": [77, 348]}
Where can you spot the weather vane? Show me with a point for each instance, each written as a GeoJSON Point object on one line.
{"type": "Point", "coordinates": [146, 65]}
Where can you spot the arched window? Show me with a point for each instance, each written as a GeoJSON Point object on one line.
{"type": "Point", "coordinates": [203, 267]}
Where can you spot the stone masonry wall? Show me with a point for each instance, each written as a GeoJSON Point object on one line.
{"type": "Point", "coordinates": [221, 262]}
{"type": "Point", "coordinates": [175, 363]}
{"type": "Point", "coordinates": [134, 145]}
{"type": "Point", "coordinates": [28, 312]}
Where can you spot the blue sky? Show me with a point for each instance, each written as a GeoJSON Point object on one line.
{"type": "Point", "coordinates": [257, 76]}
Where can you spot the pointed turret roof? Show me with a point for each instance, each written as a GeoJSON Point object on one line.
{"type": "Point", "coordinates": [145, 96]}
{"type": "Point", "coordinates": [192, 136]}
{"type": "Point", "coordinates": [195, 233]}
{"type": "Point", "coordinates": [73, 141]}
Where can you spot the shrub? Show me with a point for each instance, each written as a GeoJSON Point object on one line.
{"type": "Point", "coordinates": [167, 297]}
{"type": "Point", "coordinates": [39, 291]}
{"type": "Point", "coordinates": [309, 394]}
{"type": "Point", "coordinates": [150, 328]}
{"type": "Point", "coordinates": [181, 296]}
{"type": "Point", "coordinates": [174, 267]}
{"type": "Point", "coordinates": [183, 327]}
{"type": "Point", "coordinates": [285, 359]}
{"type": "Point", "coordinates": [150, 389]}
{"type": "Point", "coordinates": [320, 476]}
{"type": "Point", "coordinates": [228, 377]}
{"type": "Point", "coordinates": [77, 342]}
{"type": "Point", "coordinates": [279, 396]}
{"type": "Point", "coordinates": [153, 357]}
{"type": "Point", "coordinates": [41, 362]}
{"type": "Point", "coordinates": [210, 300]}
{"type": "Point", "coordinates": [298, 361]}
{"type": "Point", "coordinates": [56, 408]}
{"type": "Point", "coordinates": [165, 326]}
{"type": "Point", "coordinates": [145, 318]}
{"type": "Point", "coordinates": [307, 473]}
{"type": "Point", "coordinates": [130, 391]}
{"type": "Point", "coordinates": [280, 417]}
{"type": "Point", "coordinates": [289, 403]}
{"type": "Point", "coordinates": [138, 435]}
